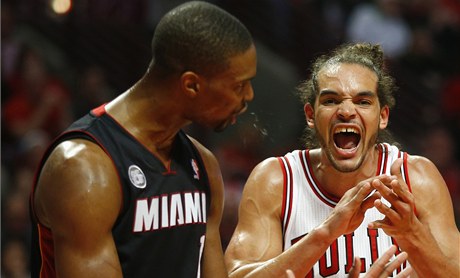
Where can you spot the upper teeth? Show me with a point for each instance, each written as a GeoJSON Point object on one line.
{"type": "Point", "coordinates": [347, 129]}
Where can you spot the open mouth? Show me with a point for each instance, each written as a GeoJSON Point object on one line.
{"type": "Point", "coordinates": [347, 138]}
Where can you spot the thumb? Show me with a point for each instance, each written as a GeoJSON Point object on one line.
{"type": "Point", "coordinates": [396, 168]}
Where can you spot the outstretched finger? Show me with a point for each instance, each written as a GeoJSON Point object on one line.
{"type": "Point", "coordinates": [405, 273]}
{"type": "Point", "coordinates": [396, 168]}
{"type": "Point", "coordinates": [391, 215]}
{"type": "Point", "coordinates": [394, 264]}
{"type": "Point", "coordinates": [399, 186]}
{"type": "Point", "coordinates": [382, 267]}
{"type": "Point", "coordinates": [355, 269]}
{"type": "Point", "coordinates": [390, 195]}
{"type": "Point", "coordinates": [401, 190]}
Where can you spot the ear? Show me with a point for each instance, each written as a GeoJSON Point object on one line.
{"type": "Point", "coordinates": [309, 115]}
{"type": "Point", "coordinates": [190, 83]}
{"type": "Point", "coordinates": [384, 116]}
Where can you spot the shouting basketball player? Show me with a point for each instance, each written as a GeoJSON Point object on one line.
{"type": "Point", "coordinates": [351, 194]}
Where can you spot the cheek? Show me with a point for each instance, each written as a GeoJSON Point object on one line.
{"type": "Point", "coordinates": [323, 118]}
{"type": "Point", "coordinates": [223, 98]}
{"type": "Point", "coordinates": [372, 124]}
{"type": "Point", "coordinates": [220, 107]}
{"type": "Point", "coordinates": [322, 123]}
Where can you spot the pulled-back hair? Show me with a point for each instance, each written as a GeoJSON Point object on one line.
{"type": "Point", "coordinates": [200, 37]}
{"type": "Point", "coordinates": [368, 55]}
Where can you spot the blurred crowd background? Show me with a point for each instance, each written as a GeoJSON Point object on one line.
{"type": "Point", "coordinates": [59, 61]}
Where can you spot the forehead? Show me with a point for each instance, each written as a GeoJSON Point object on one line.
{"type": "Point", "coordinates": [347, 78]}
{"type": "Point", "coordinates": [242, 66]}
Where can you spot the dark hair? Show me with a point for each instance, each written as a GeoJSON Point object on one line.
{"type": "Point", "coordinates": [200, 37]}
{"type": "Point", "coordinates": [365, 54]}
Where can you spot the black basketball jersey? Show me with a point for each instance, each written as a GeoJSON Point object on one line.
{"type": "Point", "coordinates": [160, 231]}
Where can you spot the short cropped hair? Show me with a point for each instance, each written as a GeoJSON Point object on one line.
{"type": "Point", "coordinates": [368, 55]}
{"type": "Point", "coordinates": [198, 36]}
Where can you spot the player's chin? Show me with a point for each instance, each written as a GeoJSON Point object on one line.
{"type": "Point", "coordinates": [348, 166]}
{"type": "Point", "coordinates": [222, 126]}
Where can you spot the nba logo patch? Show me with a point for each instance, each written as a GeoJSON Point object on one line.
{"type": "Point", "coordinates": [195, 169]}
{"type": "Point", "coordinates": [137, 177]}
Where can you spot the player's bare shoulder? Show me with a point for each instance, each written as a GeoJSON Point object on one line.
{"type": "Point", "coordinates": [422, 170]}
{"type": "Point", "coordinates": [265, 185]}
{"type": "Point", "coordinates": [426, 183]}
{"type": "Point", "coordinates": [269, 170]}
{"type": "Point", "coordinates": [75, 171]}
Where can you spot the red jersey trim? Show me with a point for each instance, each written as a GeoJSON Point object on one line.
{"type": "Point", "coordinates": [286, 208]}
{"type": "Point", "coordinates": [99, 111]}
{"type": "Point", "coordinates": [382, 160]}
{"type": "Point", "coordinates": [315, 186]}
{"type": "Point", "coordinates": [47, 268]}
{"type": "Point", "coordinates": [405, 172]}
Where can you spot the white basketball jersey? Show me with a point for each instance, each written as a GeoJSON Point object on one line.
{"type": "Point", "coordinates": [306, 205]}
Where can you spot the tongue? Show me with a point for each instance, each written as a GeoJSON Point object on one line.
{"type": "Point", "coordinates": [346, 140]}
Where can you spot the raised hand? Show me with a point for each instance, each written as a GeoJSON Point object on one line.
{"type": "Point", "coordinates": [348, 214]}
{"type": "Point", "coordinates": [383, 267]}
{"type": "Point", "coordinates": [400, 215]}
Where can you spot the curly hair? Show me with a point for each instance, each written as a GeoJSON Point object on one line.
{"type": "Point", "coordinates": [200, 37]}
{"type": "Point", "coordinates": [368, 55]}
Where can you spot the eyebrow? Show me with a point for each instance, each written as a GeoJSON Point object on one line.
{"type": "Point", "coordinates": [249, 79]}
{"type": "Point", "coordinates": [360, 94]}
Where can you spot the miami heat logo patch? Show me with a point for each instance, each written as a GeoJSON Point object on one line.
{"type": "Point", "coordinates": [137, 177]}
{"type": "Point", "coordinates": [195, 169]}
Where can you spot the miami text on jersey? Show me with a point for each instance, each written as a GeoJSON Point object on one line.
{"type": "Point", "coordinates": [166, 211]}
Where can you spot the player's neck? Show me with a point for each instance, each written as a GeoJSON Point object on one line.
{"type": "Point", "coordinates": [147, 118]}
{"type": "Point", "coordinates": [337, 182]}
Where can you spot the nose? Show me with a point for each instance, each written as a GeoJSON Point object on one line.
{"type": "Point", "coordinates": [346, 109]}
{"type": "Point", "coordinates": [249, 94]}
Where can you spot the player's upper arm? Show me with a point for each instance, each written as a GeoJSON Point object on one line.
{"type": "Point", "coordinates": [433, 203]}
{"type": "Point", "coordinates": [78, 197]}
{"type": "Point", "coordinates": [258, 235]}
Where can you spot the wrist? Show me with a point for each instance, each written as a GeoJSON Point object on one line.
{"type": "Point", "coordinates": [415, 240]}
{"type": "Point", "coordinates": [325, 233]}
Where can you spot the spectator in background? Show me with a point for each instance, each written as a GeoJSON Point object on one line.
{"type": "Point", "coordinates": [450, 106]}
{"type": "Point", "coordinates": [11, 45]}
{"type": "Point", "coordinates": [38, 99]}
{"type": "Point", "coordinates": [381, 22]}
{"type": "Point", "coordinates": [439, 146]}
{"type": "Point", "coordinates": [14, 259]}
{"type": "Point", "coordinates": [93, 89]}
{"type": "Point", "coordinates": [15, 217]}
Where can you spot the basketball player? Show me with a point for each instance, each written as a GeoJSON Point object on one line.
{"type": "Point", "coordinates": [124, 192]}
{"type": "Point", "coordinates": [313, 211]}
